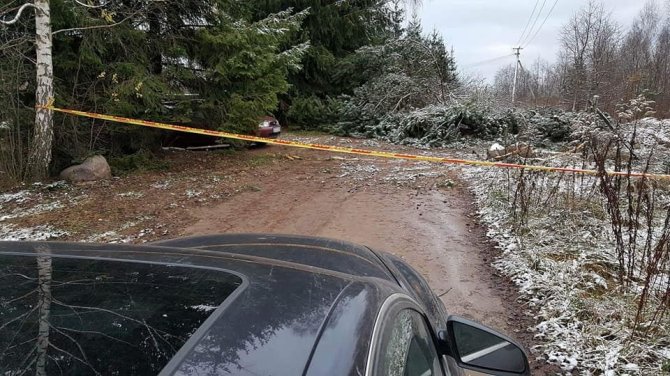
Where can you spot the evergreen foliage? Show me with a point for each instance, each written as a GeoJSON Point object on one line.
{"type": "Point", "coordinates": [199, 62]}
{"type": "Point", "coordinates": [219, 64]}
{"type": "Point", "coordinates": [411, 80]}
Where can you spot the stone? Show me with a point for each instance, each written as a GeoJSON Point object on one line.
{"type": "Point", "coordinates": [92, 169]}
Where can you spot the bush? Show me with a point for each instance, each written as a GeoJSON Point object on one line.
{"type": "Point", "coordinates": [313, 113]}
{"type": "Point", "coordinates": [437, 125]}
{"type": "Point", "coordinates": [140, 161]}
{"type": "Point", "coordinates": [555, 125]}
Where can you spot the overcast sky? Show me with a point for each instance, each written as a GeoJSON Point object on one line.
{"type": "Point", "coordinates": [481, 30]}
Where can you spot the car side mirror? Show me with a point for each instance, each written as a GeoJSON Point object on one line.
{"type": "Point", "coordinates": [478, 348]}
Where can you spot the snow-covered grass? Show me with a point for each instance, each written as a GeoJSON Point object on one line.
{"type": "Point", "coordinates": [557, 244]}
{"type": "Point", "coordinates": [18, 204]}
{"type": "Point", "coordinates": [563, 261]}
{"type": "Point", "coordinates": [37, 209]}
{"type": "Point", "coordinates": [12, 233]}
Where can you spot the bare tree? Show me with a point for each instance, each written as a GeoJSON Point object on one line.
{"type": "Point", "coordinates": [637, 50]}
{"type": "Point", "coordinates": [589, 40]}
{"type": "Point", "coordinates": [661, 74]}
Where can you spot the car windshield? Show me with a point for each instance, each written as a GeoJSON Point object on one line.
{"type": "Point", "coordinates": [74, 316]}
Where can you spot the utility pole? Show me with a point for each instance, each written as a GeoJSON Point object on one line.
{"type": "Point", "coordinates": [516, 71]}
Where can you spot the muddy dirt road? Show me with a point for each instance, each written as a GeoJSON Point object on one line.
{"type": "Point", "coordinates": [415, 211]}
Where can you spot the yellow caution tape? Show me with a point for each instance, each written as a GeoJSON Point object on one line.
{"type": "Point", "coordinates": [347, 150]}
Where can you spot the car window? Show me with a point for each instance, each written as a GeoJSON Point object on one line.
{"type": "Point", "coordinates": [66, 316]}
{"type": "Point", "coordinates": [407, 348]}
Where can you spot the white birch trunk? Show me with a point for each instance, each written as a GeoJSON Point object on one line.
{"type": "Point", "coordinates": [40, 153]}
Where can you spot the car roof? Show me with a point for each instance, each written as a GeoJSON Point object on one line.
{"type": "Point", "coordinates": [302, 298]}
{"type": "Point", "coordinates": [323, 253]}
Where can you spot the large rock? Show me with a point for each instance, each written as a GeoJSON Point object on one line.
{"type": "Point", "coordinates": [94, 168]}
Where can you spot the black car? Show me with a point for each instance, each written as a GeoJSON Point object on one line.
{"type": "Point", "coordinates": [231, 304]}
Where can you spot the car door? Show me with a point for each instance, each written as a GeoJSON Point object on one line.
{"type": "Point", "coordinates": [403, 343]}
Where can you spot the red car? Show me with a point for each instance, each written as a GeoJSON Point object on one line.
{"type": "Point", "coordinates": [268, 127]}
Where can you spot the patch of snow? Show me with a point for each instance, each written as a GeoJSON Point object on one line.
{"type": "Point", "coordinates": [358, 171]}
{"type": "Point", "coordinates": [131, 194]}
{"type": "Point", "coordinates": [411, 174]}
{"type": "Point", "coordinates": [18, 197]}
{"type": "Point", "coordinates": [192, 194]}
{"type": "Point", "coordinates": [56, 185]}
{"type": "Point", "coordinates": [45, 232]}
{"type": "Point", "coordinates": [111, 237]}
{"type": "Point", "coordinates": [496, 147]}
{"type": "Point", "coordinates": [371, 143]}
{"type": "Point", "coordinates": [37, 209]}
{"type": "Point", "coordinates": [161, 185]}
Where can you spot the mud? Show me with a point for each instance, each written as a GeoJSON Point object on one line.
{"type": "Point", "coordinates": [431, 228]}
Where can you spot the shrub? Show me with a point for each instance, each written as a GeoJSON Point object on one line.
{"type": "Point", "coordinates": [142, 161]}
{"type": "Point", "coordinates": [437, 125]}
{"type": "Point", "coordinates": [554, 126]}
{"type": "Point", "coordinates": [313, 113]}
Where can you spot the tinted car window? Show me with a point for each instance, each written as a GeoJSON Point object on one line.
{"type": "Point", "coordinates": [74, 317]}
{"type": "Point", "coordinates": [407, 348]}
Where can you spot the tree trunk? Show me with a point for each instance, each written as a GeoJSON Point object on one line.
{"type": "Point", "coordinates": [155, 35]}
{"type": "Point", "coordinates": [40, 152]}
{"type": "Point", "coordinates": [44, 272]}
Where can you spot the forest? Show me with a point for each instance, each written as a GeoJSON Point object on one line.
{"type": "Point", "coordinates": [217, 64]}
{"type": "Point", "coordinates": [358, 67]}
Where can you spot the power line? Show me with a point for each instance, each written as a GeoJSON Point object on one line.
{"type": "Point", "coordinates": [543, 22]}
{"type": "Point", "coordinates": [544, 2]}
{"type": "Point", "coordinates": [483, 62]}
{"type": "Point", "coordinates": [528, 23]}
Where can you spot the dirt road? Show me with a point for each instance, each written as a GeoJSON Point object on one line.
{"type": "Point", "coordinates": [417, 212]}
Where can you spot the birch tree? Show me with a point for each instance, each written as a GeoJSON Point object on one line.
{"type": "Point", "coordinates": [40, 151]}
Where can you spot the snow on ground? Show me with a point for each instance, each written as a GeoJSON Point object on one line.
{"type": "Point", "coordinates": [561, 255]}
{"type": "Point", "coordinates": [29, 202]}
{"type": "Point", "coordinates": [559, 262]}
{"type": "Point", "coordinates": [46, 232]}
